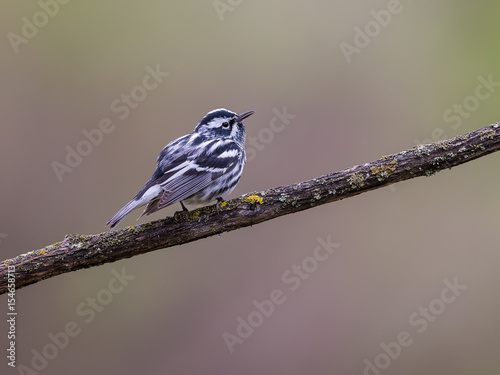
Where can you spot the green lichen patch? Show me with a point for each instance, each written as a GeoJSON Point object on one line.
{"type": "Point", "coordinates": [317, 194]}
{"type": "Point", "coordinates": [357, 180]}
{"type": "Point", "coordinates": [385, 170]}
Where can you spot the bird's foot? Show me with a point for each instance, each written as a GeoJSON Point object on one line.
{"type": "Point", "coordinates": [218, 204]}
{"type": "Point", "coordinates": [184, 207]}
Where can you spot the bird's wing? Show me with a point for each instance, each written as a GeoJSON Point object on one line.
{"type": "Point", "coordinates": [186, 176]}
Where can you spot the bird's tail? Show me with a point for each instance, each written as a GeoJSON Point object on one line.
{"type": "Point", "coordinates": [124, 211]}
{"type": "Point", "coordinates": [146, 195]}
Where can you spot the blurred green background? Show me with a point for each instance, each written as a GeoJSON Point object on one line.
{"type": "Point", "coordinates": [398, 245]}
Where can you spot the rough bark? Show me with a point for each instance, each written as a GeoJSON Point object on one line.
{"type": "Point", "coordinates": [82, 251]}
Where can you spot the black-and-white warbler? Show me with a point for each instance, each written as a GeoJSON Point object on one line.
{"type": "Point", "coordinates": [197, 168]}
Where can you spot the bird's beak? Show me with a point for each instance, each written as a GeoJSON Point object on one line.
{"type": "Point", "coordinates": [245, 115]}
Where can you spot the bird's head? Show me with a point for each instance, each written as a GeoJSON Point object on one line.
{"type": "Point", "coordinates": [221, 123]}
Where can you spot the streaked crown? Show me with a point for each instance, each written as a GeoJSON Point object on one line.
{"type": "Point", "coordinates": [222, 123]}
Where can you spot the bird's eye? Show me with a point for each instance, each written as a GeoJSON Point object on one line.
{"type": "Point", "coordinates": [225, 125]}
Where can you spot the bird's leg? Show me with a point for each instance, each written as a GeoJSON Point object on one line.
{"type": "Point", "coordinates": [184, 207]}
{"type": "Point", "coordinates": [217, 205]}
{"type": "Point", "coordinates": [178, 215]}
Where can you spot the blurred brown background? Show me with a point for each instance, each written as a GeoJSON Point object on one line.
{"type": "Point", "coordinates": [398, 245]}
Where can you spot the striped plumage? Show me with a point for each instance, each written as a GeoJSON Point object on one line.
{"type": "Point", "coordinates": [196, 168]}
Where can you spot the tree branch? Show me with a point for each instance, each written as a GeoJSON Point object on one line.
{"type": "Point", "coordinates": [82, 251]}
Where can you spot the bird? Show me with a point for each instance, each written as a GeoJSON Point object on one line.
{"type": "Point", "coordinates": [198, 167]}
